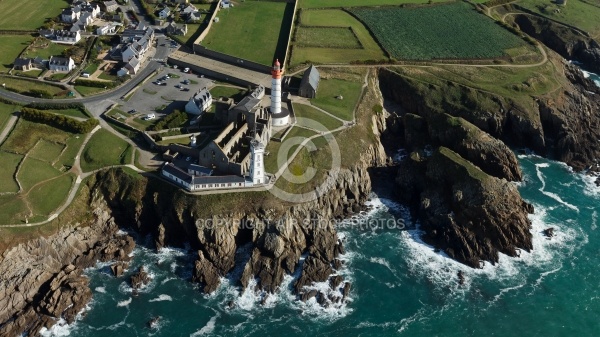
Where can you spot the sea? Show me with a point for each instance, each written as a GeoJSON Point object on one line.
{"type": "Point", "coordinates": [400, 285]}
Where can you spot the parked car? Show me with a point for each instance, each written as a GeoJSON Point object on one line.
{"type": "Point", "coordinates": [185, 89]}
{"type": "Point", "coordinates": [186, 70]}
{"type": "Point", "coordinates": [186, 82]}
{"type": "Point", "coordinates": [178, 86]}
{"type": "Point", "coordinates": [132, 111]}
{"type": "Point", "coordinates": [163, 84]}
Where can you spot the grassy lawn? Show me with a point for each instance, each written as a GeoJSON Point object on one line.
{"type": "Point", "coordinates": [35, 73]}
{"type": "Point", "coordinates": [12, 45]}
{"type": "Point", "coordinates": [329, 89]}
{"type": "Point", "coordinates": [366, 49]}
{"type": "Point", "coordinates": [34, 171]}
{"type": "Point", "coordinates": [235, 93]}
{"type": "Point", "coordinates": [69, 112]}
{"type": "Point", "coordinates": [58, 76]}
{"type": "Point", "coordinates": [448, 31]}
{"type": "Point", "coordinates": [68, 156]}
{"type": "Point", "coordinates": [324, 37]}
{"type": "Point", "coordinates": [88, 91]}
{"type": "Point", "coordinates": [46, 151]}
{"type": "Point", "coordinates": [271, 160]}
{"type": "Point", "coordinates": [45, 49]}
{"type": "Point", "coordinates": [91, 68]}
{"type": "Point", "coordinates": [26, 134]}
{"type": "Point", "coordinates": [356, 3]}
{"type": "Point", "coordinates": [180, 140]}
{"type": "Point", "coordinates": [8, 167]}
{"type": "Point", "coordinates": [310, 113]}
{"type": "Point", "coordinates": [6, 110]}
{"type": "Point", "coordinates": [106, 76]}
{"type": "Point", "coordinates": [250, 30]}
{"type": "Point", "coordinates": [105, 149]}
{"type": "Point", "coordinates": [577, 13]}
{"type": "Point", "coordinates": [29, 14]}
{"type": "Point", "coordinates": [23, 86]}
{"type": "Point", "coordinates": [48, 197]}
{"type": "Point", "coordinates": [12, 209]}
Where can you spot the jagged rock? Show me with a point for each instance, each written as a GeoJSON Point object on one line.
{"type": "Point", "coordinates": [335, 281]}
{"type": "Point", "coordinates": [346, 289]}
{"type": "Point", "coordinates": [461, 277]}
{"type": "Point", "coordinates": [118, 268]}
{"type": "Point", "coordinates": [42, 279]}
{"type": "Point", "coordinates": [160, 237]}
{"type": "Point", "coordinates": [308, 295]}
{"type": "Point", "coordinates": [206, 274]}
{"type": "Point", "coordinates": [313, 270]}
{"type": "Point", "coordinates": [337, 264]}
{"type": "Point", "coordinates": [140, 279]}
{"type": "Point", "coordinates": [153, 323]}
{"type": "Point", "coordinates": [548, 232]}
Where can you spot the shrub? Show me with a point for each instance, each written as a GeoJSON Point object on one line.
{"type": "Point", "coordinates": [174, 120]}
{"type": "Point", "coordinates": [58, 121]}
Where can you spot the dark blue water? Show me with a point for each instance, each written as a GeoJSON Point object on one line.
{"type": "Point", "coordinates": [400, 285]}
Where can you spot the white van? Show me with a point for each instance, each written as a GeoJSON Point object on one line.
{"type": "Point", "coordinates": [86, 75]}
{"type": "Point", "coordinates": [149, 117]}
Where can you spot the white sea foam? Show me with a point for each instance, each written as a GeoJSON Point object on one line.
{"type": "Point", "coordinates": [590, 189]}
{"type": "Point", "coordinates": [59, 329]}
{"type": "Point", "coordinates": [551, 194]}
{"type": "Point", "coordinates": [124, 303]}
{"type": "Point", "coordinates": [101, 290]}
{"type": "Point", "coordinates": [594, 224]}
{"type": "Point", "coordinates": [208, 328]}
{"type": "Point", "coordinates": [162, 297]}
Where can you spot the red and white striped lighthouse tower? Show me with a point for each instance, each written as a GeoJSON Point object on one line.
{"type": "Point", "coordinates": [277, 73]}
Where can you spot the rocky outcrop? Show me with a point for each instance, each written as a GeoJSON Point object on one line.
{"type": "Point", "coordinates": [41, 280]}
{"type": "Point", "coordinates": [569, 42]}
{"type": "Point", "coordinates": [465, 212]}
{"type": "Point", "coordinates": [140, 279]}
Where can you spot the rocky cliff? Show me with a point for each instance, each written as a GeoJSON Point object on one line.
{"type": "Point", "coordinates": [41, 280]}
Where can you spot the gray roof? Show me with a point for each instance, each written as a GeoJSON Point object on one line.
{"type": "Point", "coordinates": [248, 104]}
{"type": "Point", "coordinates": [19, 62]}
{"type": "Point", "coordinates": [196, 180]}
{"type": "Point", "coordinates": [201, 169]}
{"type": "Point", "coordinates": [312, 77]}
{"type": "Point", "coordinates": [62, 61]}
{"type": "Point", "coordinates": [133, 62]}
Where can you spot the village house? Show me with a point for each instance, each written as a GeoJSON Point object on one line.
{"type": "Point", "coordinates": [78, 9]}
{"type": "Point", "coordinates": [65, 36]}
{"type": "Point", "coordinates": [61, 64]}
{"type": "Point", "coordinates": [164, 13]}
{"type": "Point", "coordinates": [199, 103]}
{"type": "Point", "coordinates": [175, 29]}
{"type": "Point", "coordinates": [130, 68]}
{"type": "Point", "coordinates": [109, 29]}
{"type": "Point", "coordinates": [309, 83]}
{"type": "Point", "coordinates": [26, 64]}
{"type": "Point", "coordinates": [110, 6]}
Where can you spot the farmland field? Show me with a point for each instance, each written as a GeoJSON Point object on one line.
{"type": "Point", "coordinates": [105, 149]}
{"type": "Point", "coordinates": [28, 14]}
{"type": "Point", "coordinates": [327, 37]}
{"type": "Point", "coordinates": [449, 31]}
{"type": "Point", "coordinates": [12, 46]}
{"type": "Point", "coordinates": [253, 30]}
{"type": "Point", "coordinates": [357, 3]}
{"type": "Point", "coordinates": [319, 51]}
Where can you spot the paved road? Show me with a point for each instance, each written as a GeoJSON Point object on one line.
{"type": "Point", "coordinates": [9, 125]}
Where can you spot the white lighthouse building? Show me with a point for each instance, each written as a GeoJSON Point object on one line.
{"type": "Point", "coordinates": [279, 116]}
{"type": "Point", "coordinates": [257, 169]}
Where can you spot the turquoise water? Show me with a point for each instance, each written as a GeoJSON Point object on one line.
{"type": "Point", "coordinates": [400, 286]}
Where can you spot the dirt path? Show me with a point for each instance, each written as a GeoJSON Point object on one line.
{"type": "Point", "coordinates": [12, 120]}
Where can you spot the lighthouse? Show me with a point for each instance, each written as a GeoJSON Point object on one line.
{"type": "Point", "coordinates": [279, 116]}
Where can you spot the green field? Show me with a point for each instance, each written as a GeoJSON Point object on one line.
{"type": "Point", "coordinates": [26, 135]}
{"type": "Point", "coordinates": [23, 86]}
{"type": "Point", "coordinates": [8, 167]}
{"type": "Point", "coordinates": [449, 31]}
{"type": "Point", "coordinates": [357, 3]}
{"type": "Point", "coordinates": [220, 91]}
{"type": "Point", "coordinates": [47, 197]}
{"type": "Point", "coordinates": [252, 30]}
{"type": "Point", "coordinates": [87, 91]}
{"type": "Point", "coordinates": [319, 49]}
{"type": "Point", "coordinates": [12, 46]}
{"type": "Point", "coordinates": [327, 92]}
{"type": "Point", "coordinates": [105, 149]}
{"type": "Point", "coordinates": [192, 30]}
{"type": "Point", "coordinates": [310, 113]}
{"type": "Point", "coordinates": [581, 14]}
{"type": "Point", "coordinates": [28, 14]}
{"type": "Point", "coordinates": [325, 37]}
{"type": "Point", "coordinates": [47, 151]}
{"type": "Point", "coordinates": [35, 171]}
{"type": "Point", "coordinates": [6, 110]}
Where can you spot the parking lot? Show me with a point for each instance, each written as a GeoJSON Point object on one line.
{"type": "Point", "coordinates": [163, 99]}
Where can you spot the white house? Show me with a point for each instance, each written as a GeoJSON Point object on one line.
{"type": "Point", "coordinates": [65, 36]}
{"type": "Point", "coordinates": [194, 16]}
{"type": "Point", "coordinates": [109, 29]}
{"type": "Point", "coordinates": [61, 64]}
{"type": "Point", "coordinates": [199, 103]}
{"type": "Point", "coordinates": [164, 13]}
